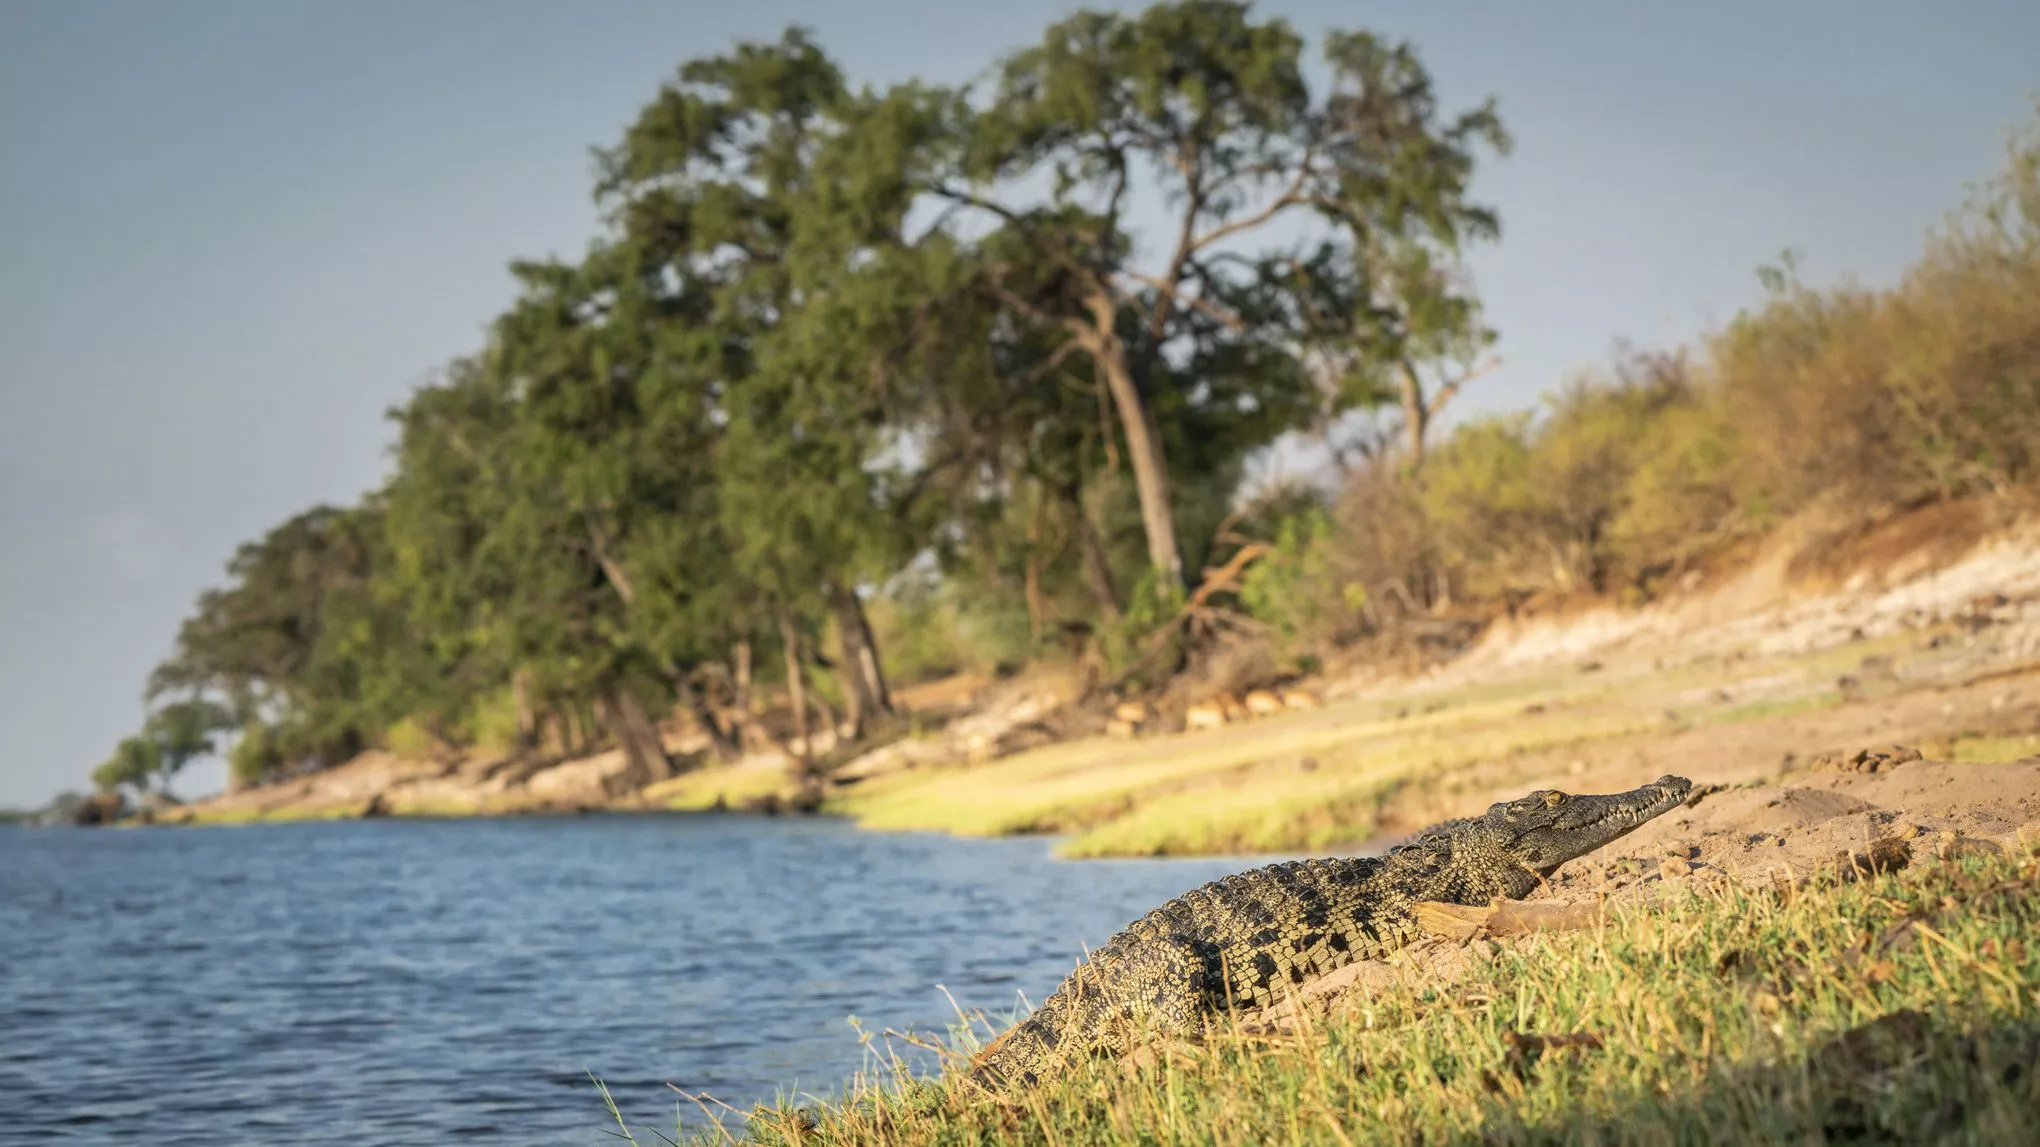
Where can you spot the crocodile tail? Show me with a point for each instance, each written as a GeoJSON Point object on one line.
{"type": "Point", "coordinates": [1016, 1059]}
{"type": "Point", "coordinates": [1028, 1052]}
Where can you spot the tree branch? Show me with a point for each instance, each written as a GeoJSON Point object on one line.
{"type": "Point", "coordinates": [1211, 310]}
{"type": "Point", "coordinates": [598, 538]}
{"type": "Point", "coordinates": [1185, 237]}
{"type": "Point", "coordinates": [980, 202]}
{"type": "Point", "coordinates": [1111, 220]}
{"type": "Point", "coordinates": [1290, 198]}
{"type": "Point", "coordinates": [1451, 388]}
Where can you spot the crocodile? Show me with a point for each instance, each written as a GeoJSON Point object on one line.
{"type": "Point", "coordinates": [1241, 943]}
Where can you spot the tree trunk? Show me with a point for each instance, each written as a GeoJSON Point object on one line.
{"type": "Point", "coordinates": [865, 690]}
{"type": "Point", "coordinates": [527, 714]}
{"type": "Point", "coordinates": [796, 687]}
{"type": "Point", "coordinates": [1143, 438]}
{"type": "Point", "coordinates": [639, 738]}
{"type": "Point", "coordinates": [1416, 418]}
{"type": "Point", "coordinates": [577, 736]}
{"type": "Point", "coordinates": [587, 728]}
{"type": "Point", "coordinates": [1091, 548]}
{"type": "Point", "coordinates": [1031, 592]}
{"type": "Point", "coordinates": [829, 715]}
{"type": "Point", "coordinates": [1419, 410]}
{"type": "Point", "coordinates": [719, 742]}
{"type": "Point", "coordinates": [742, 728]}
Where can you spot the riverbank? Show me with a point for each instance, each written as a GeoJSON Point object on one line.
{"type": "Point", "coordinates": [1923, 629]}
{"type": "Point", "coordinates": [1825, 1005]}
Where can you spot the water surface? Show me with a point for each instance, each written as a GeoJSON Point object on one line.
{"type": "Point", "coordinates": [423, 982]}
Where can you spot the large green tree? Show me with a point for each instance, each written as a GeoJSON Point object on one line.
{"type": "Point", "coordinates": [1199, 107]}
{"type": "Point", "coordinates": [760, 181]}
{"type": "Point", "coordinates": [827, 331]}
{"type": "Point", "coordinates": [298, 640]}
{"type": "Point", "coordinates": [174, 736]}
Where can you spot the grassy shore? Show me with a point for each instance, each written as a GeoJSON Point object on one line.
{"type": "Point", "coordinates": [1309, 781]}
{"type": "Point", "coordinates": [1901, 1009]}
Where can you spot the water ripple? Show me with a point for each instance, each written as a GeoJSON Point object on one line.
{"type": "Point", "coordinates": [407, 982]}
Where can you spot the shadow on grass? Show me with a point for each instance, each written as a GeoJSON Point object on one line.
{"type": "Point", "coordinates": [1903, 1078]}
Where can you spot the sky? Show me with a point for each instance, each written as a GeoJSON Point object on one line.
{"type": "Point", "coordinates": [233, 233]}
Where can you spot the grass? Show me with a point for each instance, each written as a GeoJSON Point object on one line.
{"type": "Point", "coordinates": [1306, 781]}
{"type": "Point", "coordinates": [289, 813]}
{"type": "Point", "coordinates": [1985, 750]}
{"type": "Point", "coordinates": [249, 814]}
{"type": "Point", "coordinates": [1300, 782]}
{"type": "Point", "coordinates": [726, 785]}
{"type": "Point", "coordinates": [1902, 1009]}
{"type": "Point", "coordinates": [1283, 807]}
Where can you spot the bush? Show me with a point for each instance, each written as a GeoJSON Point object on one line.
{"type": "Point", "coordinates": [1863, 400]}
{"type": "Point", "coordinates": [1293, 588]}
{"type": "Point", "coordinates": [491, 724]}
{"type": "Point", "coordinates": [255, 757]}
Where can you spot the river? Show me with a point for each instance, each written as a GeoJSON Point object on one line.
{"type": "Point", "coordinates": [422, 982]}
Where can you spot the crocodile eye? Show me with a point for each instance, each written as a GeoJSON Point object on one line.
{"type": "Point", "coordinates": [1553, 799]}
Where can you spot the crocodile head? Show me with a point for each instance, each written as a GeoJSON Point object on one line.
{"type": "Point", "coordinates": [1547, 828]}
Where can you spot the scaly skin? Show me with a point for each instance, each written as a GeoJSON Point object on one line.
{"type": "Point", "coordinates": [1238, 944]}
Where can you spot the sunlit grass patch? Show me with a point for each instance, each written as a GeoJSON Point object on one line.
{"type": "Point", "coordinates": [1072, 785]}
{"type": "Point", "coordinates": [1089, 786]}
{"type": "Point", "coordinates": [1992, 750]}
{"type": "Point", "coordinates": [1775, 707]}
{"type": "Point", "coordinates": [1260, 813]}
{"type": "Point", "coordinates": [282, 814]}
{"type": "Point", "coordinates": [725, 785]}
{"type": "Point", "coordinates": [1901, 1009]}
{"type": "Point", "coordinates": [1290, 807]}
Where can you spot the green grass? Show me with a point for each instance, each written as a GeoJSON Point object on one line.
{"type": "Point", "coordinates": [730, 786]}
{"type": "Point", "coordinates": [248, 814]}
{"type": "Point", "coordinates": [1775, 707]}
{"type": "Point", "coordinates": [1246, 788]}
{"type": "Point", "coordinates": [1992, 750]}
{"type": "Point", "coordinates": [1904, 1009]}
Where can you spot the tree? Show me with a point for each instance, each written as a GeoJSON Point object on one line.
{"type": "Point", "coordinates": [134, 762]}
{"type": "Point", "coordinates": [828, 332]}
{"type": "Point", "coordinates": [758, 181]}
{"type": "Point", "coordinates": [613, 464]}
{"type": "Point", "coordinates": [173, 737]}
{"type": "Point", "coordinates": [296, 639]}
{"type": "Point", "coordinates": [1213, 110]}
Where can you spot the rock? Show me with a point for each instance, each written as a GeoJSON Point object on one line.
{"type": "Point", "coordinates": [1872, 760]}
{"type": "Point", "coordinates": [1953, 846]}
{"type": "Point", "coordinates": [1132, 713]}
{"type": "Point", "coordinates": [1298, 700]}
{"type": "Point", "coordinates": [1263, 703]}
{"type": "Point", "coordinates": [1204, 715]}
{"type": "Point", "coordinates": [99, 808]}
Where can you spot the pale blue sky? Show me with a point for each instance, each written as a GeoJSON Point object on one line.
{"type": "Point", "coordinates": [233, 232]}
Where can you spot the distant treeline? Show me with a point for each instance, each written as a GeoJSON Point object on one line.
{"type": "Point", "coordinates": [859, 385]}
